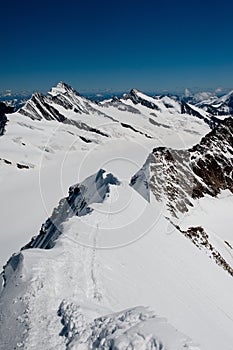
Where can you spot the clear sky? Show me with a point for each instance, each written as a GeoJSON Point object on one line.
{"type": "Point", "coordinates": [119, 44]}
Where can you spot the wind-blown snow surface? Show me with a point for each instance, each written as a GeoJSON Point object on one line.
{"type": "Point", "coordinates": [122, 254]}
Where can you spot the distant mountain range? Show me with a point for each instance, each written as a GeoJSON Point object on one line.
{"type": "Point", "coordinates": [18, 98]}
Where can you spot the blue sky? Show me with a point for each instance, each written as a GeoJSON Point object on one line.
{"type": "Point", "coordinates": [116, 45]}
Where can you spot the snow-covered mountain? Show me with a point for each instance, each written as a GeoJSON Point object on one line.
{"type": "Point", "coordinates": [123, 210]}
{"type": "Point", "coordinates": [62, 114]}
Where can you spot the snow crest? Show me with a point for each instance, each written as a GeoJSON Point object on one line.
{"type": "Point", "coordinates": [92, 190]}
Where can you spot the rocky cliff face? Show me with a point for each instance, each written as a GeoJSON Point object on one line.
{"type": "Point", "coordinates": [177, 177]}
{"type": "Point", "coordinates": [3, 119]}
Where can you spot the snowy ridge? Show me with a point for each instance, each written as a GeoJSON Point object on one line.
{"type": "Point", "coordinates": [92, 190]}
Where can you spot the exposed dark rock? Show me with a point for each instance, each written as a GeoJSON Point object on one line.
{"type": "Point", "coordinates": [4, 109]}
{"type": "Point", "coordinates": [84, 139]}
{"type": "Point", "coordinates": [228, 244]}
{"type": "Point", "coordinates": [22, 166]}
{"type": "Point", "coordinates": [200, 238]}
{"type": "Point", "coordinates": [38, 107]}
{"type": "Point", "coordinates": [6, 161]}
{"type": "Point", "coordinates": [84, 126]}
{"type": "Point", "coordinates": [18, 165]}
{"type": "Point", "coordinates": [135, 130]}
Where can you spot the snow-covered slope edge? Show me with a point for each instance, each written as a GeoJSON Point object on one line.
{"type": "Point", "coordinates": [136, 329]}
{"type": "Point", "coordinates": [178, 178]}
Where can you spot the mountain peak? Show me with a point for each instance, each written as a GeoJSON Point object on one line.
{"type": "Point", "coordinates": [61, 88]}
{"type": "Point", "coordinates": [134, 91]}
{"type": "Point", "coordinates": [139, 97]}
{"type": "Point", "coordinates": [63, 85]}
